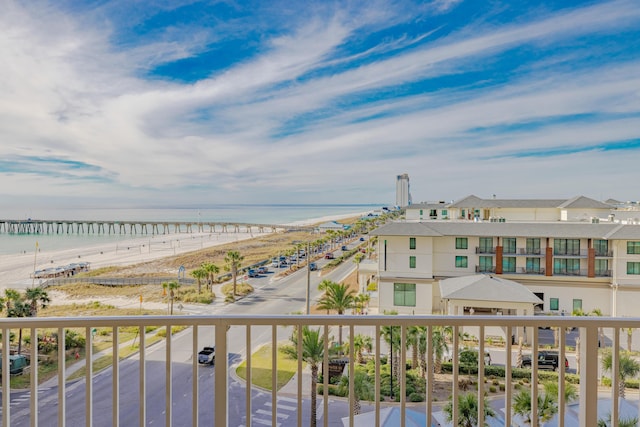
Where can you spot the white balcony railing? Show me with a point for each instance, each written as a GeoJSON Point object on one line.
{"type": "Point", "coordinates": [187, 395]}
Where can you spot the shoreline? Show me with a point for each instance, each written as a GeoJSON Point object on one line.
{"type": "Point", "coordinates": [16, 270]}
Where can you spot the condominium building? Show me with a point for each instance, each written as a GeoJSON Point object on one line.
{"type": "Point", "coordinates": [567, 265]}
{"type": "Point", "coordinates": [403, 194]}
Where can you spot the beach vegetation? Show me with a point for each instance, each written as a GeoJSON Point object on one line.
{"type": "Point", "coordinates": [190, 295]}
{"type": "Point", "coordinates": [242, 289]}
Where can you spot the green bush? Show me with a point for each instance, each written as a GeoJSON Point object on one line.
{"type": "Point", "coordinates": [492, 389]}
{"type": "Point", "coordinates": [416, 397]}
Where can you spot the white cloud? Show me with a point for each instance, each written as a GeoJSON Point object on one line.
{"type": "Point", "coordinates": [70, 94]}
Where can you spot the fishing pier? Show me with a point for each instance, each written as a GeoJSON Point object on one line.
{"type": "Point", "coordinates": [35, 226]}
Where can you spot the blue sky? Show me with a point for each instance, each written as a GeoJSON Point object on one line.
{"type": "Point", "coordinates": [207, 102]}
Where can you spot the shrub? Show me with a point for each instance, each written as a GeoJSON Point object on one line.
{"type": "Point", "coordinates": [492, 389]}
{"type": "Point", "coordinates": [416, 397]}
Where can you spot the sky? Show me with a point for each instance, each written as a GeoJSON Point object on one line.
{"type": "Point", "coordinates": [199, 103]}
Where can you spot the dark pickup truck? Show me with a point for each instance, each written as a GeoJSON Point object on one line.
{"type": "Point", "coordinates": [207, 356]}
{"type": "Point", "coordinates": [546, 360]}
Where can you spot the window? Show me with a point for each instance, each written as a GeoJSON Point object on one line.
{"type": "Point", "coordinates": [509, 245]}
{"type": "Point", "coordinates": [566, 266]}
{"type": "Point", "coordinates": [533, 246]}
{"type": "Point", "coordinates": [412, 242]}
{"type": "Point", "coordinates": [433, 213]}
{"type": "Point", "coordinates": [486, 264]}
{"type": "Point", "coordinates": [566, 247]}
{"type": "Point", "coordinates": [509, 265]}
{"type": "Point", "coordinates": [462, 243]}
{"type": "Point", "coordinates": [420, 213]}
{"type": "Point", "coordinates": [533, 265]}
{"type": "Point", "coordinates": [554, 304]}
{"type": "Point", "coordinates": [486, 245]}
{"type": "Point", "coordinates": [633, 268]}
{"type": "Point", "coordinates": [633, 247]}
{"type": "Point", "coordinates": [461, 262]}
{"type": "Point", "coordinates": [602, 267]}
{"type": "Point", "coordinates": [444, 213]}
{"type": "Point", "coordinates": [412, 262]}
{"type": "Point", "coordinates": [601, 247]}
{"type": "Point", "coordinates": [404, 294]}
{"type": "Point", "coordinates": [577, 305]}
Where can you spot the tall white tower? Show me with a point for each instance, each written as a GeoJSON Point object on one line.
{"type": "Point", "coordinates": [403, 195]}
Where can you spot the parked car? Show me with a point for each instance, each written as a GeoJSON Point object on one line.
{"type": "Point", "coordinates": [207, 356]}
{"type": "Point", "coordinates": [345, 248]}
{"type": "Point", "coordinates": [546, 360]}
{"type": "Point", "coordinates": [275, 263]}
{"type": "Point", "coordinates": [17, 364]}
{"type": "Point", "coordinates": [253, 273]}
{"type": "Point", "coordinates": [362, 239]}
{"type": "Point", "coordinates": [329, 255]}
{"type": "Point", "coordinates": [313, 266]}
{"type": "Point", "coordinates": [263, 270]}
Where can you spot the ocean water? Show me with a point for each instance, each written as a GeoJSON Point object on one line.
{"type": "Point", "coordinates": [255, 214]}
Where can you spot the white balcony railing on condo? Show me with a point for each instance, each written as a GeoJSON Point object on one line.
{"type": "Point", "coordinates": [148, 376]}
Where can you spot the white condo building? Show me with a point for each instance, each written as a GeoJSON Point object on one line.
{"type": "Point", "coordinates": [517, 257]}
{"type": "Point", "coordinates": [403, 194]}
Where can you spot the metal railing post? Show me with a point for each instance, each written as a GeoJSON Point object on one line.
{"type": "Point", "coordinates": [221, 415]}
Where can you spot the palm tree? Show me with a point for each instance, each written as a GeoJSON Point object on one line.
{"type": "Point", "coordinates": [569, 389]}
{"type": "Point", "coordinates": [338, 297]}
{"type": "Point", "coordinates": [361, 343]}
{"type": "Point", "coordinates": [629, 338]}
{"type": "Point", "coordinates": [212, 270]}
{"type": "Point", "coordinates": [391, 335]}
{"type": "Point", "coordinates": [468, 410]}
{"type": "Point", "coordinates": [37, 298]}
{"type": "Point", "coordinates": [547, 406]}
{"type": "Point", "coordinates": [233, 261]}
{"type": "Point", "coordinates": [312, 354]}
{"type": "Point", "coordinates": [628, 368]}
{"type": "Point", "coordinates": [199, 274]}
{"type": "Point", "coordinates": [440, 336]}
{"type": "Point", "coordinates": [16, 306]}
{"type": "Point", "coordinates": [415, 335]}
{"type": "Point", "coordinates": [171, 286]}
{"type": "Point", "coordinates": [362, 388]}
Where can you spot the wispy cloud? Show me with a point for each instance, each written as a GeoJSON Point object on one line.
{"type": "Point", "coordinates": [335, 96]}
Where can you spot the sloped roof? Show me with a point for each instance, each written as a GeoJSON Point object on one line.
{"type": "Point", "coordinates": [484, 287]}
{"type": "Point", "coordinates": [582, 202]}
{"type": "Point", "coordinates": [578, 202]}
{"type": "Point", "coordinates": [468, 201]}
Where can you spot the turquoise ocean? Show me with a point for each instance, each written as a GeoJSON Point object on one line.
{"type": "Point", "coordinates": [256, 214]}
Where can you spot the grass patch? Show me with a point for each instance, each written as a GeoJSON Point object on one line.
{"type": "Point", "coordinates": [261, 363]}
{"type": "Point", "coordinates": [242, 289]}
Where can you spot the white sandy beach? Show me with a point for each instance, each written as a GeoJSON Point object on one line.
{"type": "Point", "coordinates": [16, 270]}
